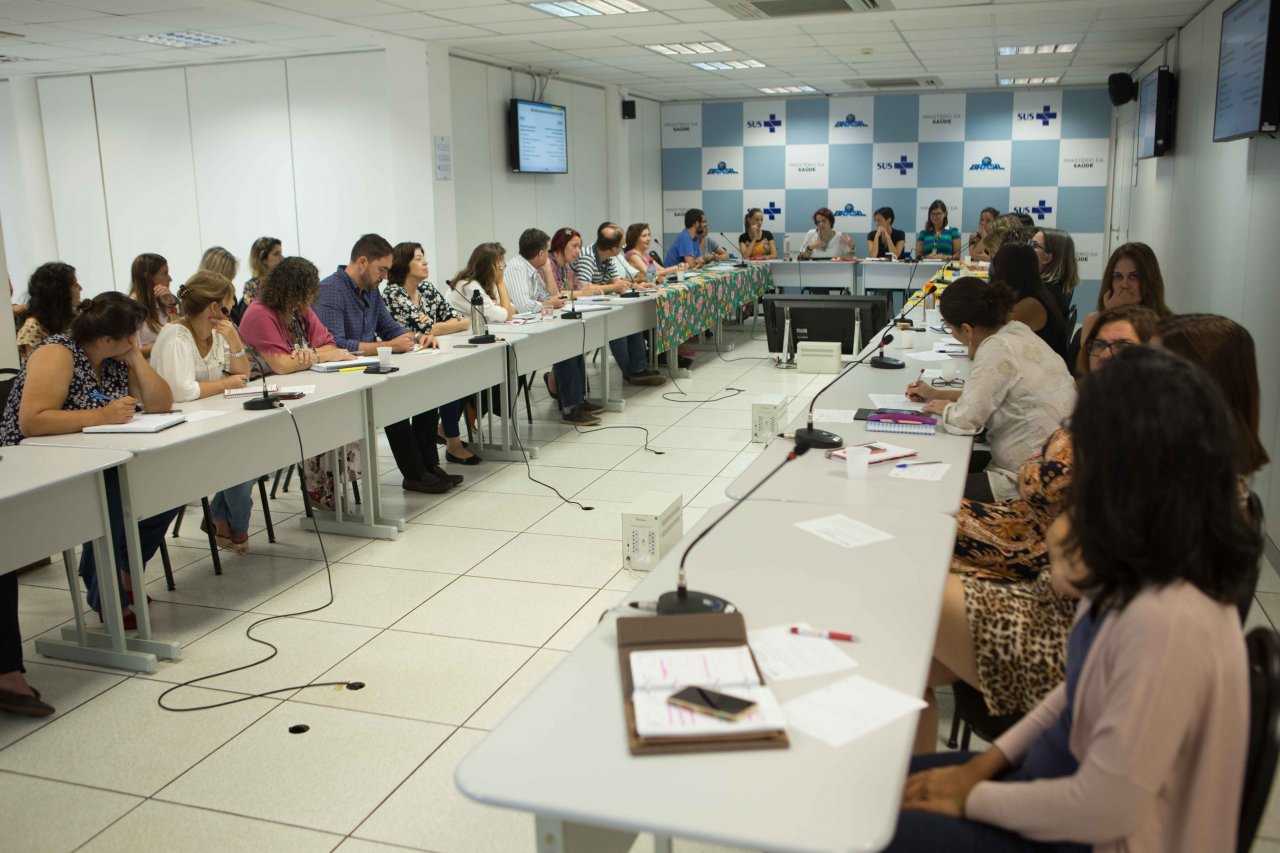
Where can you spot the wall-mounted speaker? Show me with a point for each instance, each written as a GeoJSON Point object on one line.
{"type": "Point", "coordinates": [1121, 88]}
{"type": "Point", "coordinates": [628, 109]}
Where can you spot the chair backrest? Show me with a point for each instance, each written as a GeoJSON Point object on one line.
{"type": "Point", "coordinates": [1072, 316]}
{"type": "Point", "coordinates": [1253, 508]}
{"type": "Point", "coordinates": [1264, 739]}
{"type": "Point", "coordinates": [7, 377]}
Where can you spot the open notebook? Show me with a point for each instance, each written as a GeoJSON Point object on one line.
{"type": "Point", "coordinates": [335, 366]}
{"type": "Point", "coordinates": [142, 423]}
{"type": "Point", "coordinates": [657, 674]}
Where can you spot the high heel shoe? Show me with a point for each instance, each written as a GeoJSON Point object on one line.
{"type": "Point", "coordinates": [546, 378]}
{"type": "Point", "coordinates": [224, 542]}
{"type": "Point", "coordinates": [240, 543]}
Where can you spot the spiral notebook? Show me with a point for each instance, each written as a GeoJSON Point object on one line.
{"type": "Point", "coordinates": [920, 428]}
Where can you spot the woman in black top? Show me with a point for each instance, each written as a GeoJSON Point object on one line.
{"type": "Point", "coordinates": [886, 241]}
{"type": "Point", "coordinates": [1018, 267]}
{"type": "Point", "coordinates": [755, 242]}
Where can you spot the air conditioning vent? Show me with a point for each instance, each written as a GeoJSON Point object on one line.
{"type": "Point", "coordinates": [902, 83]}
{"type": "Point", "coordinates": [755, 10]}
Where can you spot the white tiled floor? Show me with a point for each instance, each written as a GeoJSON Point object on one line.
{"type": "Point", "coordinates": [449, 627]}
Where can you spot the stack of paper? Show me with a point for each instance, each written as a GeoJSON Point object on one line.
{"type": "Point", "coordinates": [658, 674]}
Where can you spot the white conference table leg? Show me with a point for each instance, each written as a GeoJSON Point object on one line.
{"type": "Point", "coordinates": [506, 450]}
{"type": "Point", "coordinates": [144, 642]}
{"type": "Point", "coordinates": [554, 835]}
{"type": "Point", "coordinates": [370, 524]}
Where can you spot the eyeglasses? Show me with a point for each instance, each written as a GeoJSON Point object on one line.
{"type": "Point", "coordinates": [947, 383]}
{"type": "Point", "coordinates": [947, 328]}
{"type": "Point", "coordinates": [1097, 347]}
{"type": "Point", "coordinates": [226, 312]}
{"type": "Point", "coordinates": [1039, 248]}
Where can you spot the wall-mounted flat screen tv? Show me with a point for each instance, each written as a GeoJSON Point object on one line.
{"type": "Point", "coordinates": [1156, 98]}
{"type": "Point", "coordinates": [538, 137]}
{"type": "Point", "coordinates": [1248, 71]}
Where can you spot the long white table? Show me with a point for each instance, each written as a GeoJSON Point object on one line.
{"type": "Point", "coordinates": [52, 501]}
{"type": "Point", "coordinates": [816, 479]}
{"type": "Point", "coordinates": [797, 275]}
{"type": "Point", "coordinates": [563, 754]}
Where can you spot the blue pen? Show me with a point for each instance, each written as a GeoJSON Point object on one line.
{"type": "Point", "coordinates": [104, 398]}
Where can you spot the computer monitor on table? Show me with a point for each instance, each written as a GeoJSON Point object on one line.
{"type": "Point", "coordinates": [823, 318]}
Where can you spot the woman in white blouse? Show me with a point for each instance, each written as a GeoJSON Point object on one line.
{"type": "Point", "coordinates": [1018, 388]}
{"type": "Point", "coordinates": [823, 240]}
{"type": "Point", "coordinates": [485, 274]}
{"type": "Point", "coordinates": [200, 354]}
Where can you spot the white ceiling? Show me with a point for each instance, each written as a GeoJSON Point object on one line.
{"type": "Point", "coordinates": [952, 41]}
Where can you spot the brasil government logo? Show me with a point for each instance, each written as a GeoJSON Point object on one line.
{"type": "Point", "coordinates": [772, 211]}
{"type": "Point", "coordinates": [851, 121]}
{"type": "Point", "coordinates": [986, 166]}
{"type": "Point", "coordinates": [850, 210]}
{"type": "Point", "coordinates": [721, 169]}
{"type": "Point", "coordinates": [1039, 211]}
{"type": "Point", "coordinates": [773, 123]}
{"type": "Point", "coordinates": [902, 165]}
{"type": "Point", "coordinates": [1044, 116]}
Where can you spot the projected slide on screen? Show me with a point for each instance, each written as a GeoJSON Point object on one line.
{"type": "Point", "coordinates": [540, 138]}
{"type": "Point", "coordinates": [1241, 69]}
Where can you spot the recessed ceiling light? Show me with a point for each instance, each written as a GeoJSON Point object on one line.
{"type": "Point", "coordinates": [1031, 49]}
{"type": "Point", "coordinates": [729, 65]}
{"type": "Point", "coordinates": [580, 8]}
{"type": "Point", "coordinates": [1030, 81]}
{"type": "Point", "coordinates": [788, 90]}
{"type": "Point", "coordinates": [690, 47]}
{"type": "Point", "coordinates": [185, 38]}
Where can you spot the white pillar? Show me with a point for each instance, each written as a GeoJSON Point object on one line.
{"type": "Point", "coordinates": [26, 205]}
{"type": "Point", "coordinates": [8, 335]}
{"type": "Point", "coordinates": [445, 260]}
{"type": "Point", "coordinates": [618, 145]}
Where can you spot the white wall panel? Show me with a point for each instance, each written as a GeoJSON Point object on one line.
{"type": "Point", "coordinates": [472, 167]}
{"type": "Point", "coordinates": [338, 117]}
{"type": "Point", "coordinates": [514, 195]}
{"type": "Point", "coordinates": [25, 202]}
{"type": "Point", "coordinates": [75, 181]}
{"type": "Point", "coordinates": [557, 207]}
{"type": "Point", "coordinates": [145, 138]}
{"type": "Point", "coordinates": [589, 159]}
{"type": "Point", "coordinates": [243, 164]}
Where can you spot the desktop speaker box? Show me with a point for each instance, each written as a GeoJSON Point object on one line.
{"type": "Point", "coordinates": [818, 357]}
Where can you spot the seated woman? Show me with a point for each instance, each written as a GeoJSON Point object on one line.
{"type": "Point", "coordinates": [280, 325]}
{"type": "Point", "coordinates": [985, 219]}
{"type": "Point", "coordinates": [1006, 229]}
{"type": "Point", "coordinates": [52, 296]}
{"type": "Point", "coordinates": [1056, 251]}
{"type": "Point", "coordinates": [938, 240]}
{"type": "Point", "coordinates": [416, 304]}
{"type": "Point", "coordinates": [264, 254]}
{"type": "Point", "coordinates": [1018, 267]}
{"type": "Point", "coordinates": [886, 241]}
{"type": "Point", "coordinates": [149, 286]}
{"type": "Point", "coordinates": [635, 250]}
{"type": "Point", "coordinates": [823, 240]}
{"type": "Point", "coordinates": [1143, 746]}
{"type": "Point", "coordinates": [200, 354]}
{"type": "Point", "coordinates": [1015, 390]}
{"type": "Point", "coordinates": [755, 243]}
{"type": "Point", "coordinates": [1132, 277]}
{"type": "Point", "coordinates": [94, 374]}
{"type": "Point", "coordinates": [483, 274]}
{"type": "Point", "coordinates": [999, 588]}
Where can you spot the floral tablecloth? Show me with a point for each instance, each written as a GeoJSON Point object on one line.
{"type": "Point", "coordinates": [685, 310]}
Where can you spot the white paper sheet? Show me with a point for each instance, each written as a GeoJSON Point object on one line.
{"type": "Point", "coordinates": [655, 717]}
{"type": "Point", "coordinates": [834, 416]}
{"type": "Point", "coordinates": [844, 531]}
{"type": "Point", "coordinates": [931, 473]}
{"type": "Point", "coordinates": [853, 707]}
{"type": "Point", "coordinates": [783, 655]}
{"type": "Point", "coordinates": [927, 356]}
{"type": "Point", "coordinates": [895, 401]}
{"type": "Point", "coordinates": [202, 415]}
{"type": "Point", "coordinates": [716, 668]}
{"type": "Point", "coordinates": [303, 389]}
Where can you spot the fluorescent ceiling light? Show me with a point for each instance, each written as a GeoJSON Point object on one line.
{"type": "Point", "coordinates": [185, 38]}
{"type": "Point", "coordinates": [729, 65]}
{"type": "Point", "coordinates": [788, 90]}
{"type": "Point", "coordinates": [1030, 81]}
{"type": "Point", "coordinates": [1032, 49]}
{"type": "Point", "coordinates": [578, 8]}
{"type": "Point", "coordinates": [690, 47]}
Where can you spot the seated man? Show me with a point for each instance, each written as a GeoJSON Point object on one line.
{"type": "Point", "coordinates": [691, 246]}
{"type": "Point", "coordinates": [351, 308]}
{"type": "Point", "coordinates": [601, 264]}
{"type": "Point", "coordinates": [528, 292]}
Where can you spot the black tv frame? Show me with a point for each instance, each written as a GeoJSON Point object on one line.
{"type": "Point", "coordinates": [823, 318]}
{"type": "Point", "coordinates": [1269, 109]}
{"type": "Point", "coordinates": [1166, 99]}
{"type": "Point", "coordinates": [513, 136]}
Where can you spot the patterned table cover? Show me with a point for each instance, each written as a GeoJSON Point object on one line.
{"type": "Point", "coordinates": [685, 310]}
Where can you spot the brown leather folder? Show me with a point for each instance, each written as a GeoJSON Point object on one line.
{"type": "Point", "coordinates": [701, 630]}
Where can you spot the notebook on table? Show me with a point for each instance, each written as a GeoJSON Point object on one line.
{"type": "Point", "coordinates": [142, 423]}
{"type": "Point", "coordinates": [335, 366]}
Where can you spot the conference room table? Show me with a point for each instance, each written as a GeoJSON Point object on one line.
{"type": "Point", "coordinates": [221, 445]}
{"type": "Point", "coordinates": [899, 278]}
{"type": "Point", "coordinates": [814, 478]}
{"type": "Point", "coordinates": [797, 275]}
{"type": "Point", "coordinates": [563, 752]}
{"type": "Point", "coordinates": [53, 501]}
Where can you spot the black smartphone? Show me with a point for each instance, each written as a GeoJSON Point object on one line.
{"type": "Point", "coordinates": [290, 395]}
{"type": "Point", "coordinates": [465, 346]}
{"type": "Point", "coordinates": [705, 701]}
{"type": "Point", "coordinates": [863, 414]}
{"type": "Point", "coordinates": [377, 368]}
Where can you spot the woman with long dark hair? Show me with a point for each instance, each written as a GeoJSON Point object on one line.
{"type": "Point", "coordinates": [53, 292]}
{"type": "Point", "coordinates": [1017, 265]}
{"type": "Point", "coordinates": [149, 281]}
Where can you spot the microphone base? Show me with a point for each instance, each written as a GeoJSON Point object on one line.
{"type": "Point", "coordinates": [631, 294]}
{"type": "Point", "coordinates": [678, 604]}
{"type": "Point", "coordinates": [819, 438]}
{"type": "Point", "coordinates": [482, 339]}
{"type": "Point", "coordinates": [884, 362]}
{"type": "Point", "coordinates": [262, 404]}
{"type": "Point", "coordinates": [570, 315]}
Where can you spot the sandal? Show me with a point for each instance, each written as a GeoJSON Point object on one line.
{"type": "Point", "coordinates": [240, 543]}
{"type": "Point", "coordinates": [223, 540]}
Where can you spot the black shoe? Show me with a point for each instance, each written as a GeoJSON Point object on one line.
{"type": "Point", "coordinates": [578, 417]}
{"type": "Point", "coordinates": [684, 362]}
{"type": "Point", "coordinates": [459, 460]}
{"type": "Point", "coordinates": [433, 486]}
{"type": "Point", "coordinates": [590, 408]}
{"type": "Point", "coordinates": [546, 378]}
{"type": "Point", "coordinates": [451, 479]}
{"type": "Point", "coordinates": [27, 706]}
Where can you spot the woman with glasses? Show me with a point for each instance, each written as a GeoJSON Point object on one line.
{"type": "Point", "coordinates": [1056, 252]}
{"type": "Point", "coordinates": [1132, 277]}
{"type": "Point", "coordinates": [483, 274]}
{"type": "Point", "coordinates": [1018, 389]}
{"type": "Point", "coordinates": [938, 240]}
{"type": "Point", "coordinates": [200, 354]}
{"type": "Point", "coordinates": [1142, 743]}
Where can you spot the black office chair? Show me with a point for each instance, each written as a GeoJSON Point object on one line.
{"type": "Point", "coordinates": [209, 531]}
{"type": "Point", "coordinates": [7, 377]}
{"type": "Point", "coordinates": [1264, 740]}
{"type": "Point", "coordinates": [971, 715]}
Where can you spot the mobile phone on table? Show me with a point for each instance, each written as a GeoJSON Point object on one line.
{"type": "Point", "coordinates": [290, 395]}
{"type": "Point", "coordinates": [704, 701]}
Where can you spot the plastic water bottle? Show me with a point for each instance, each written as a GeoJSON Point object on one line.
{"type": "Point", "coordinates": [786, 247]}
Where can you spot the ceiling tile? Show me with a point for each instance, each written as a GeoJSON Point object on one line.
{"type": "Point", "coordinates": [484, 14]}
{"type": "Point", "coordinates": [129, 7]}
{"type": "Point", "coordinates": [446, 33]}
{"type": "Point", "coordinates": [116, 26]}
{"type": "Point", "coordinates": [398, 22]}
{"type": "Point", "coordinates": [339, 8]}
{"type": "Point", "coordinates": [521, 27]}
{"type": "Point", "coordinates": [36, 12]}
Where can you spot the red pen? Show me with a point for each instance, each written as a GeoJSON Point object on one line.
{"type": "Point", "coordinates": [823, 635]}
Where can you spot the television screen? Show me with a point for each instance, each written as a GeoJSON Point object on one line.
{"type": "Point", "coordinates": [539, 141]}
{"type": "Point", "coordinates": [1155, 114]}
{"type": "Point", "coordinates": [1246, 98]}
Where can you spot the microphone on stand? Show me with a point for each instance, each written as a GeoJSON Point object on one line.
{"type": "Point", "coordinates": [573, 313]}
{"type": "Point", "coordinates": [682, 601]}
{"type": "Point", "coordinates": [631, 273]}
{"type": "Point", "coordinates": [907, 309]}
{"type": "Point", "coordinates": [884, 362]}
{"type": "Point", "coordinates": [741, 260]}
{"type": "Point", "coordinates": [267, 400]}
{"type": "Point", "coordinates": [812, 437]}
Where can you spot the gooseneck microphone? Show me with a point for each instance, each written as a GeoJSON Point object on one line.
{"type": "Point", "coordinates": [573, 313]}
{"type": "Point", "coordinates": [267, 400]}
{"type": "Point", "coordinates": [682, 601]}
{"type": "Point", "coordinates": [885, 362]}
{"type": "Point", "coordinates": [928, 290]}
{"type": "Point", "coordinates": [631, 274]}
{"type": "Point", "coordinates": [821, 438]}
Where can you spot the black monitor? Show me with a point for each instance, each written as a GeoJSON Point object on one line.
{"type": "Point", "coordinates": [823, 318]}
{"type": "Point", "coordinates": [1156, 121]}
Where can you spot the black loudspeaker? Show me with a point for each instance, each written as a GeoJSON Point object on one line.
{"type": "Point", "coordinates": [628, 109]}
{"type": "Point", "coordinates": [1121, 89]}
